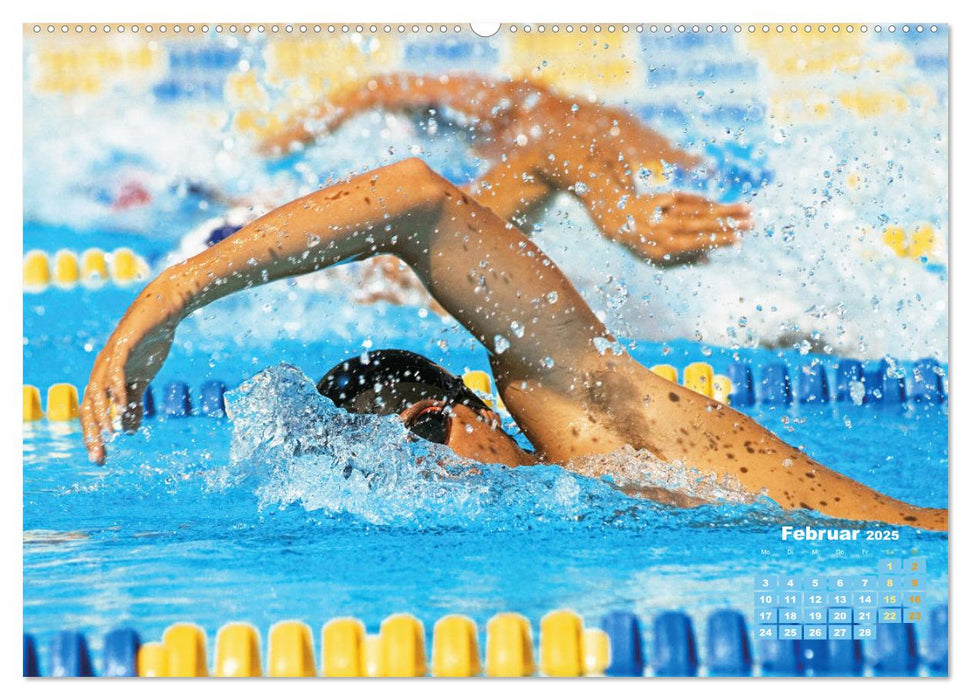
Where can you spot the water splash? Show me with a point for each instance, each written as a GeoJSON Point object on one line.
{"type": "Point", "coordinates": [642, 471]}
{"type": "Point", "coordinates": [301, 449]}
{"type": "Point", "coordinates": [294, 447]}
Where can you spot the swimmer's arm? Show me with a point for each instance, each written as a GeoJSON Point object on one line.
{"type": "Point", "coordinates": [716, 439]}
{"type": "Point", "coordinates": [395, 92]}
{"type": "Point", "coordinates": [483, 271]}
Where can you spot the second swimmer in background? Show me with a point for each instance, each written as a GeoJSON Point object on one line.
{"type": "Point", "coordinates": [539, 144]}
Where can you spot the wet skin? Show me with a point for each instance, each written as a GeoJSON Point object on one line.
{"type": "Point", "coordinates": [475, 434]}
{"type": "Point", "coordinates": [541, 143]}
{"type": "Point", "coordinates": [570, 399]}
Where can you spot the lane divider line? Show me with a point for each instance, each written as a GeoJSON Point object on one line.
{"type": "Point", "coordinates": [91, 269]}
{"type": "Point", "coordinates": [567, 648]}
{"type": "Point", "coordinates": [886, 383]}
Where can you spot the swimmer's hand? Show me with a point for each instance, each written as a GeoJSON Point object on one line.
{"type": "Point", "coordinates": [679, 227]}
{"type": "Point", "coordinates": [128, 362]}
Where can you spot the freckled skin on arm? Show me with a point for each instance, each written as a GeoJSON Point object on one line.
{"type": "Point", "coordinates": [569, 399]}
{"type": "Point", "coordinates": [714, 437]}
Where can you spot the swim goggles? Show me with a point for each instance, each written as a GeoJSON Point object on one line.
{"type": "Point", "coordinates": [389, 381]}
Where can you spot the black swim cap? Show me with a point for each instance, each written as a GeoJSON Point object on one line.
{"type": "Point", "coordinates": [388, 381]}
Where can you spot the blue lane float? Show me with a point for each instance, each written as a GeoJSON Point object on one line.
{"type": "Point", "coordinates": [148, 403]}
{"type": "Point", "coordinates": [781, 657]}
{"type": "Point", "coordinates": [927, 384]}
{"type": "Point", "coordinates": [890, 383]}
{"type": "Point", "coordinates": [937, 640]}
{"type": "Point", "coordinates": [213, 401]}
{"type": "Point", "coordinates": [121, 653]}
{"type": "Point", "coordinates": [626, 651]}
{"type": "Point", "coordinates": [727, 651]}
{"type": "Point", "coordinates": [895, 650]}
{"type": "Point", "coordinates": [883, 386]}
{"type": "Point", "coordinates": [31, 667]}
{"type": "Point", "coordinates": [872, 387]}
{"type": "Point", "coordinates": [894, 390]}
{"type": "Point", "coordinates": [743, 387]}
{"type": "Point", "coordinates": [813, 385]}
{"type": "Point", "coordinates": [815, 656]}
{"type": "Point", "coordinates": [848, 374]}
{"type": "Point", "coordinates": [884, 383]}
{"type": "Point", "coordinates": [844, 657]}
{"type": "Point", "coordinates": [674, 652]}
{"type": "Point", "coordinates": [776, 388]}
{"type": "Point", "coordinates": [175, 400]}
{"type": "Point", "coordinates": [69, 656]}
{"type": "Point", "coordinates": [833, 657]}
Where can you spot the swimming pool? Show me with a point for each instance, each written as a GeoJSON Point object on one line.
{"type": "Point", "coordinates": [157, 536]}
{"type": "Point", "coordinates": [209, 520]}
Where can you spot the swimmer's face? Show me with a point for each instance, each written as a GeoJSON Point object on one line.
{"type": "Point", "coordinates": [473, 433]}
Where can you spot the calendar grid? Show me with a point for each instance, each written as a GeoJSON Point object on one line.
{"type": "Point", "coordinates": [840, 607]}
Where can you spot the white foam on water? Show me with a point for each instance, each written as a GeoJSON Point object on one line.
{"type": "Point", "coordinates": [295, 448]}
{"type": "Point", "coordinates": [641, 471]}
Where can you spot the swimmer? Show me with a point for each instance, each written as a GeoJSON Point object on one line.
{"type": "Point", "coordinates": [542, 144]}
{"type": "Point", "coordinates": [567, 383]}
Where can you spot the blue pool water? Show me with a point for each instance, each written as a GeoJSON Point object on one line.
{"type": "Point", "coordinates": [212, 520]}
{"type": "Point", "coordinates": [178, 527]}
